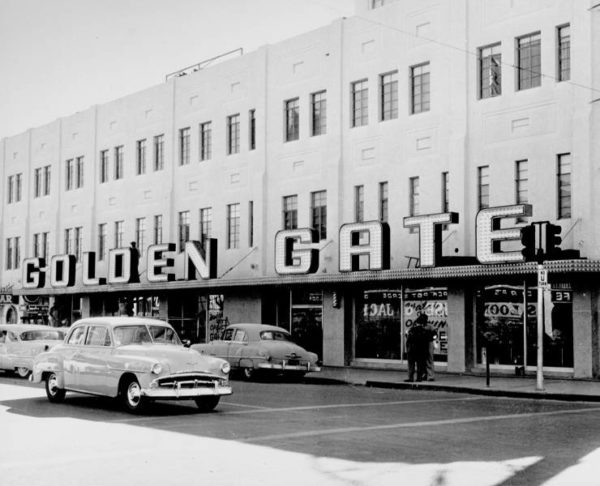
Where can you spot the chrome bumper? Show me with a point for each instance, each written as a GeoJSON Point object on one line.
{"type": "Point", "coordinates": [288, 367]}
{"type": "Point", "coordinates": [177, 393]}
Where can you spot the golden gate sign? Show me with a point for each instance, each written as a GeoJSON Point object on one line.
{"type": "Point", "coordinates": [296, 251]}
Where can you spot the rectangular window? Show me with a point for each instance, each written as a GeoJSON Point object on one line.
{"type": "Point", "coordinates": [103, 166]}
{"type": "Point", "coordinates": [184, 146]}
{"type": "Point", "coordinates": [413, 190]}
{"type": "Point", "coordinates": [40, 245]}
{"type": "Point", "coordinates": [140, 157]}
{"type": "Point", "coordinates": [37, 183]}
{"type": "Point", "coordinates": [159, 152]}
{"type": "Point", "coordinates": [563, 53]}
{"type": "Point", "coordinates": [233, 226]}
{"type": "Point", "coordinates": [521, 184]}
{"type": "Point", "coordinates": [318, 113]}
{"type": "Point", "coordinates": [564, 186]}
{"type": "Point", "coordinates": [290, 212]}
{"type": "Point", "coordinates": [233, 134]}
{"type": "Point", "coordinates": [205, 223]}
{"type": "Point", "coordinates": [251, 224]}
{"type": "Point", "coordinates": [77, 242]}
{"type": "Point", "coordinates": [79, 172]}
{"type": "Point", "coordinates": [419, 88]}
{"type": "Point", "coordinates": [10, 189]}
{"type": "Point", "coordinates": [69, 233]}
{"type": "Point", "coordinates": [9, 254]}
{"type": "Point", "coordinates": [69, 169]}
{"type": "Point", "coordinates": [118, 234]}
{"type": "Point", "coordinates": [377, 3]}
{"type": "Point", "coordinates": [359, 204]}
{"type": "Point", "coordinates": [45, 245]}
{"type": "Point", "coordinates": [445, 192]}
{"type": "Point", "coordinates": [140, 234]}
{"type": "Point", "coordinates": [47, 174]}
{"type": "Point", "coordinates": [318, 209]}
{"type": "Point", "coordinates": [483, 187]}
{"type": "Point", "coordinates": [158, 229]}
{"type": "Point", "coordinates": [17, 245]}
{"type": "Point", "coordinates": [205, 140]}
{"type": "Point", "coordinates": [360, 103]}
{"type": "Point", "coordinates": [119, 162]}
{"type": "Point", "coordinates": [36, 245]}
{"type": "Point", "coordinates": [183, 228]}
{"type": "Point", "coordinates": [252, 129]}
{"type": "Point", "coordinates": [292, 120]}
{"type": "Point", "coordinates": [388, 87]}
{"type": "Point", "coordinates": [101, 241]}
{"type": "Point", "coordinates": [19, 186]}
{"type": "Point", "coordinates": [529, 61]}
{"type": "Point", "coordinates": [490, 71]}
{"type": "Point", "coordinates": [383, 201]}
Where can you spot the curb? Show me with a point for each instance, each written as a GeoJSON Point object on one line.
{"type": "Point", "coordinates": [540, 395]}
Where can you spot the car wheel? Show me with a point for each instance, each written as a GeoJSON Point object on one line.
{"type": "Point", "coordinates": [131, 395]}
{"type": "Point", "coordinates": [206, 404]}
{"type": "Point", "coordinates": [53, 392]}
{"type": "Point", "coordinates": [248, 373]}
{"type": "Point", "coordinates": [23, 372]}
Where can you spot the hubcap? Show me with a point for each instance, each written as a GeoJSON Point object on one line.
{"type": "Point", "coordinates": [134, 394]}
{"type": "Point", "coordinates": [53, 384]}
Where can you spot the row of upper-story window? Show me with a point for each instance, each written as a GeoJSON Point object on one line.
{"type": "Point", "coordinates": [529, 75]}
{"type": "Point", "coordinates": [73, 237]}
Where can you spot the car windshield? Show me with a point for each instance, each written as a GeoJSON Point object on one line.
{"type": "Point", "coordinates": [274, 336]}
{"type": "Point", "coordinates": [142, 334]}
{"type": "Point", "coordinates": [50, 335]}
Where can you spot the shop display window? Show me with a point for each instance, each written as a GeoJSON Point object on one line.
{"type": "Point", "coordinates": [378, 333]}
{"type": "Point", "coordinates": [507, 326]}
{"type": "Point", "coordinates": [307, 320]}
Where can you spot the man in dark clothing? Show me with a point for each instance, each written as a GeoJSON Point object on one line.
{"type": "Point", "coordinates": [417, 342]}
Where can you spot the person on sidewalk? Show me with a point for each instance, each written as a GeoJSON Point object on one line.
{"type": "Point", "coordinates": [429, 335]}
{"type": "Point", "coordinates": [417, 342]}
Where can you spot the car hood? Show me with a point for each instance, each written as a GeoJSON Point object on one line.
{"type": "Point", "coordinates": [176, 358]}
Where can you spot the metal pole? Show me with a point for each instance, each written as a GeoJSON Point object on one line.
{"type": "Point", "coordinates": [539, 385]}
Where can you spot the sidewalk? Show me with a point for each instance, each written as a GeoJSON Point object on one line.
{"type": "Point", "coordinates": [524, 387]}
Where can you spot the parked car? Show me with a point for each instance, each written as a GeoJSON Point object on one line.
{"type": "Point", "coordinates": [251, 348]}
{"type": "Point", "coordinates": [132, 358]}
{"type": "Point", "coordinates": [20, 343]}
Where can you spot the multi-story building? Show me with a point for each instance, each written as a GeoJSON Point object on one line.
{"type": "Point", "coordinates": [410, 108]}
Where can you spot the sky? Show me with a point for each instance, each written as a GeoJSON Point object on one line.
{"type": "Point", "coordinates": [58, 57]}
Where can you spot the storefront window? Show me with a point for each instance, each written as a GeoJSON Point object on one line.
{"type": "Point", "coordinates": [378, 325]}
{"type": "Point", "coordinates": [307, 320]}
{"type": "Point", "coordinates": [215, 323]}
{"type": "Point", "coordinates": [502, 311]}
{"type": "Point", "coordinates": [434, 303]}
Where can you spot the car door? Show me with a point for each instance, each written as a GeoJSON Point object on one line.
{"type": "Point", "coordinates": [71, 365]}
{"type": "Point", "coordinates": [220, 347]}
{"type": "Point", "coordinates": [238, 347]}
{"type": "Point", "coordinates": [92, 361]}
{"type": "Point", "coordinates": [12, 347]}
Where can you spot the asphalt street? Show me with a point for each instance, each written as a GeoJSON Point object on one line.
{"type": "Point", "coordinates": [298, 433]}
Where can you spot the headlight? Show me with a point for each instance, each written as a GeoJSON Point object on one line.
{"type": "Point", "coordinates": [157, 368]}
{"type": "Point", "coordinates": [225, 367]}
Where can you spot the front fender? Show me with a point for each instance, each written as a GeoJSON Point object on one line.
{"type": "Point", "coordinates": [47, 362]}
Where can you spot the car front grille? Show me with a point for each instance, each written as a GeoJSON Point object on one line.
{"type": "Point", "coordinates": [188, 380]}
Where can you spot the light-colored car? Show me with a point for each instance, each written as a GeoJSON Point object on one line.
{"type": "Point", "coordinates": [20, 343]}
{"type": "Point", "coordinates": [251, 348]}
{"type": "Point", "coordinates": [136, 359]}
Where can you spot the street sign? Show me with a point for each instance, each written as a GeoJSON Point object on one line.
{"type": "Point", "coordinates": [542, 277]}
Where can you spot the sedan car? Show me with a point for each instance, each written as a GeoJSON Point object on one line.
{"type": "Point", "coordinates": [132, 358]}
{"type": "Point", "coordinates": [20, 343]}
{"type": "Point", "coordinates": [251, 348]}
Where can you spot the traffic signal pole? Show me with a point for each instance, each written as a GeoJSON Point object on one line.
{"type": "Point", "coordinates": [542, 283]}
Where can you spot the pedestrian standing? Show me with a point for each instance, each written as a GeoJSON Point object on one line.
{"type": "Point", "coordinates": [429, 335]}
{"type": "Point", "coordinates": [417, 341]}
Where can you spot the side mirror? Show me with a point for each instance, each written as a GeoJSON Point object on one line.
{"type": "Point", "coordinates": [187, 343]}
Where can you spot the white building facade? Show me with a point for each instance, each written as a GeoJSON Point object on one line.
{"type": "Point", "coordinates": [409, 108]}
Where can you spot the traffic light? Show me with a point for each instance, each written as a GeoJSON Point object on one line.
{"type": "Point", "coordinates": [528, 241]}
{"type": "Point", "coordinates": [553, 240]}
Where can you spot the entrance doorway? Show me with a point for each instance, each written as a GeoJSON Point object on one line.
{"type": "Point", "coordinates": [307, 320]}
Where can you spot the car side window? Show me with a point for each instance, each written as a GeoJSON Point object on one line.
{"type": "Point", "coordinates": [227, 335]}
{"type": "Point", "coordinates": [77, 336]}
{"type": "Point", "coordinates": [2, 336]}
{"type": "Point", "coordinates": [240, 336]}
{"type": "Point", "coordinates": [97, 336]}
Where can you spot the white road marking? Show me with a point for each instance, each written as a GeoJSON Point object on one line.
{"type": "Point", "coordinates": [432, 423]}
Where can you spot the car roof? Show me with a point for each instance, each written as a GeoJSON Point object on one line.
{"type": "Point", "coordinates": [29, 327]}
{"type": "Point", "coordinates": [251, 326]}
{"type": "Point", "coordinates": [113, 321]}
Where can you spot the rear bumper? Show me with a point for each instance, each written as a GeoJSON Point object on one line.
{"type": "Point", "coordinates": [306, 368]}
